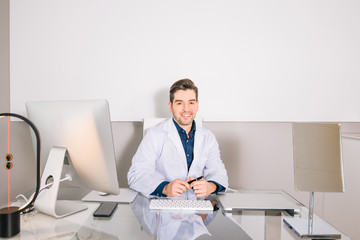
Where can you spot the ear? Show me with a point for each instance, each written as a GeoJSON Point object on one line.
{"type": "Point", "coordinates": [170, 106]}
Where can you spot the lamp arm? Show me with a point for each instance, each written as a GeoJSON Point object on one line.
{"type": "Point", "coordinates": [38, 149]}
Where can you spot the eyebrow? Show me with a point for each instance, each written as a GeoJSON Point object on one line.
{"type": "Point", "coordinates": [191, 100]}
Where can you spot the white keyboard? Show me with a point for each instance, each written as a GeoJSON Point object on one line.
{"type": "Point", "coordinates": [181, 205]}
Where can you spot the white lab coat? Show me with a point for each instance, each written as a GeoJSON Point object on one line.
{"type": "Point", "coordinates": [161, 157]}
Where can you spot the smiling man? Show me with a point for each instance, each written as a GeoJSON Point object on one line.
{"type": "Point", "coordinates": [177, 158]}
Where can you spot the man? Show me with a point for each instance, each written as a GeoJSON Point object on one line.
{"type": "Point", "coordinates": [178, 151]}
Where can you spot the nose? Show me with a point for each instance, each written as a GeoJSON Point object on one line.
{"type": "Point", "coordinates": [186, 107]}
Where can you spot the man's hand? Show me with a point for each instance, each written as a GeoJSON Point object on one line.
{"type": "Point", "coordinates": [176, 188]}
{"type": "Point", "coordinates": [202, 188]}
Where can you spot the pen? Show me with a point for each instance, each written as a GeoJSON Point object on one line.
{"type": "Point", "coordinates": [196, 179]}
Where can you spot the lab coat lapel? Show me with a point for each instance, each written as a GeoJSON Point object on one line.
{"type": "Point", "coordinates": [175, 138]}
{"type": "Point", "coordinates": [199, 137]}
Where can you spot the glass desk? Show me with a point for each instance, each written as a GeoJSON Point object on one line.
{"type": "Point", "coordinates": [267, 225]}
{"type": "Point", "coordinates": [136, 221]}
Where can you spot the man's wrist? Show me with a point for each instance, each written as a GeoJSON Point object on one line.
{"type": "Point", "coordinates": [160, 189]}
{"type": "Point", "coordinates": [213, 187]}
{"type": "Point", "coordinates": [219, 187]}
{"type": "Point", "coordinates": [164, 191]}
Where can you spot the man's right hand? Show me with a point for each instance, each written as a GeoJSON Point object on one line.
{"type": "Point", "coordinates": [176, 188]}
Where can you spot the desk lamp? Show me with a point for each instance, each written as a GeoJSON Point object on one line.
{"type": "Point", "coordinates": [318, 167]}
{"type": "Point", "coordinates": [10, 215]}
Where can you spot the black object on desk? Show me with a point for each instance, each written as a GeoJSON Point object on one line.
{"type": "Point", "coordinates": [106, 209]}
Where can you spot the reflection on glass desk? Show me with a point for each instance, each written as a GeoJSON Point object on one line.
{"type": "Point", "coordinates": [136, 221]}
{"type": "Point", "coordinates": [184, 225]}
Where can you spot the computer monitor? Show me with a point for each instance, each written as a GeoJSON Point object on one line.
{"type": "Point", "coordinates": [76, 145]}
{"type": "Point", "coordinates": [318, 163]}
{"type": "Point", "coordinates": [318, 167]}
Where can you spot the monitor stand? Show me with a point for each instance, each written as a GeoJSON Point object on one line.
{"type": "Point", "coordinates": [310, 227]}
{"type": "Point", "coordinates": [47, 201]}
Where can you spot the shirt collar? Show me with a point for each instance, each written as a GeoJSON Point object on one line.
{"type": "Point", "coordinates": [181, 130]}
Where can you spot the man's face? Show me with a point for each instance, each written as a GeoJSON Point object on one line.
{"type": "Point", "coordinates": [184, 107]}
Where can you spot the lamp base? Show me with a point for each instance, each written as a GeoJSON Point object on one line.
{"type": "Point", "coordinates": [9, 222]}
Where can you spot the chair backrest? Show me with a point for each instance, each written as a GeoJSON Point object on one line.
{"type": "Point", "coordinates": [152, 122]}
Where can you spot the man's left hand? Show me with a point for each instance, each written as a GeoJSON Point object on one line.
{"type": "Point", "coordinates": [202, 188]}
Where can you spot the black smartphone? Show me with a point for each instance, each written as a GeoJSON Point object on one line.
{"type": "Point", "coordinates": [106, 209]}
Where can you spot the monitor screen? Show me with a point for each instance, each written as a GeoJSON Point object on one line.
{"type": "Point", "coordinates": [83, 127]}
{"type": "Point", "coordinates": [318, 157]}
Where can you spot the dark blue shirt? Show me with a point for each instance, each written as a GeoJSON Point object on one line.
{"type": "Point", "coordinates": [187, 142]}
{"type": "Point", "coordinates": [188, 145]}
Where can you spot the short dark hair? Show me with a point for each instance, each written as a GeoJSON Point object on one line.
{"type": "Point", "coordinates": [183, 84]}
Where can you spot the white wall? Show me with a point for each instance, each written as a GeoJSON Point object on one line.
{"type": "Point", "coordinates": [279, 60]}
